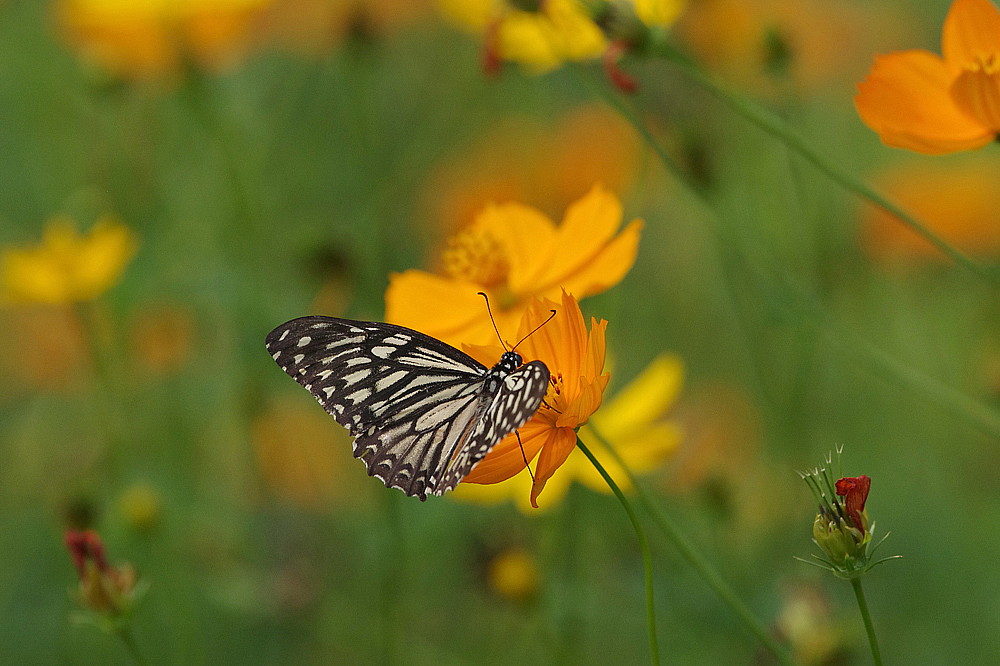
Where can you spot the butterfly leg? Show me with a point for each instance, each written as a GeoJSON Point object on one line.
{"type": "Point", "coordinates": [524, 456]}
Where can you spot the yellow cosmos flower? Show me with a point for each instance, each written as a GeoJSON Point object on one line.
{"type": "Point", "coordinates": [514, 253]}
{"type": "Point", "coordinates": [544, 34]}
{"type": "Point", "coordinates": [932, 104]}
{"type": "Point", "coordinates": [67, 267]}
{"type": "Point", "coordinates": [540, 37]}
{"type": "Point", "coordinates": [140, 38]}
{"type": "Point", "coordinates": [575, 359]}
{"type": "Point", "coordinates": [632, 422]}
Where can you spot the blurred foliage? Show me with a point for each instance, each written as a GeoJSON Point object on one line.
{"type": "Point", "coordinates": [269, 181]}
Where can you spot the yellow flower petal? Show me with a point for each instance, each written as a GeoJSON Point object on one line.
{"type": "Point", "coordinates": [657, 13]}
{"type": "Point", "coordinates": [645, 399]}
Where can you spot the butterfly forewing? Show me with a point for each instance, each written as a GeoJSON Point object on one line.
{"type": "Point", "coordinates": [422, 413]}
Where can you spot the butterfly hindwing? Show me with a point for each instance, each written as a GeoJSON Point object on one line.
{"type": "Point", "coordinates": [422, 413]}
{"type": "Point", "coordinates": [517, 400]}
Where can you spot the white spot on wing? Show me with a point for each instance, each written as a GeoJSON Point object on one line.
{"type": "Point", "coordinates": [303, 341]}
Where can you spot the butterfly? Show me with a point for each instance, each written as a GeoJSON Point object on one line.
{"type": "Point", "coordinates": [421, 412]}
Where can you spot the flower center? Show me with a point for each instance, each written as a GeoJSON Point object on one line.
{"type": "Point", "coordinates": [476, 257]}
{"type": "Point", "coordinates": [987, 63]}
{"type": "Point", "coordinates": [554, 393]}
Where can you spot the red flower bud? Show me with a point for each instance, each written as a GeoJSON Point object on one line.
{"type": "Point", "coordinates": [612, 57]}
{"type": "Point", "coordinates": [854, 490]}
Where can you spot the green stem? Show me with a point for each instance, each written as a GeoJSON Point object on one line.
{"type": "Point", "coordinates": [776, 127]}
{"type": "Point", "coordinates": [128, 640]}
{"type": "Point", "coordinates": [647, 559]}
{"type": "Point", "coordinates": [699, 563]}
{"type": "Point", "coordinates": [866, 616]}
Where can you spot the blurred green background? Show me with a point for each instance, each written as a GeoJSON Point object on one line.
{"type": "Point", "coordinates": [291, 181]}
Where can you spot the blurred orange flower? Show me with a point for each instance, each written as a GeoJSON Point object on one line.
{"type": "Point", "coordinates": [513, 253]}
{"type": "Point", "coordinates": [153, 38]}
{"type": "Point", "coordinates": [575, 359]}
{"type": "Point", "coordinates": [162, 337]}
{"type": "Point", "coordinates": [931, 104]}
{"type": "Point", "coordinates": [764, 44]}
{"type": "Point", "coordinates": [314, 26]}
{"type": "Point", "coordinates": [632, 422]}
{"type": "Point", "coordinates": [304, 457]}
{"type": "Point", "coordinates": [547, 163]}
{"type": "Point", "coordinates": [67, 267]}
{"type": "Point", "coordinates": [959, 201]}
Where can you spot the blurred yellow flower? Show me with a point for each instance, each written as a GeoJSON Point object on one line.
{"type": "Point", "coordinates": [539, 35]}
{"type": "Point", "coordinates": [632, 422]}
{"type": "Point", "coordinates": [514, 253]}
{"type": "Point", "coordinates": [575, 359]}
{"type": "Point", "coordinates": [141, 38]}
{"type": "Point", "coordinates": [513, 574]}
{"type": "Point", "coordinates": [957, 200]}
{"type": "Point", "coordinates": [544, 34]}
{"type": "Point", "coordinates": [140, 505]}
{"type": "Point", "coordinates": [67, 267]}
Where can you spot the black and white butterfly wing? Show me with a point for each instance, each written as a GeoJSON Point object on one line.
{"type": "Point", "coordinates": [421, 412]}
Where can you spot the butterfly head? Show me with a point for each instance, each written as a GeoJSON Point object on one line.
{"type": "Point", "coordinates": [509, 362]}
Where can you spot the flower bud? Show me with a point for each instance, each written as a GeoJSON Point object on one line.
{"type": "Point", "coordinates": [104, 589]}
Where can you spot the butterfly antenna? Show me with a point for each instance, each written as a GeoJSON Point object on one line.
{"type": "Point", "coordinates": [493, 321]}
{"type": "Point", "coordinates": [524, 456]}
{"type": "Point", "coordinates": [547, 320]}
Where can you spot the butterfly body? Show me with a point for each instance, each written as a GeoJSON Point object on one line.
{"type": "Point", "coordinates": [421, 412]}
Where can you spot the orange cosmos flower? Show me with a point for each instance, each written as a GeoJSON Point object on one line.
{"type": "Point", "coordinates": [514, 253]}
{"type": "Point", "coordinates": [633, 423]}
{"type": "Point", "coordinates": [923, 102]}
{"type": "Point", "coordinates": [154, 38]}
{"type": "Point", "coordinates": [575, 359]}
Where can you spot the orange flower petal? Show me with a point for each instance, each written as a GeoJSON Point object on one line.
{"type": "Point", "coordinates": [906, 100]}
{"type": "Point", "coordinates": [562, 342]}
{"type": "Point", "coordinates": [971, 32]}
{"type": "Point", "coordinates": [587, 400]}
{"type": "Point", "coordinates": [506, 458]}
{"type": "Point", "coordinates": [464, 320]}
{"type": "Point", "coordinates": [977, 93]}
{"type": "Point", "coordinates": [561, 443]}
